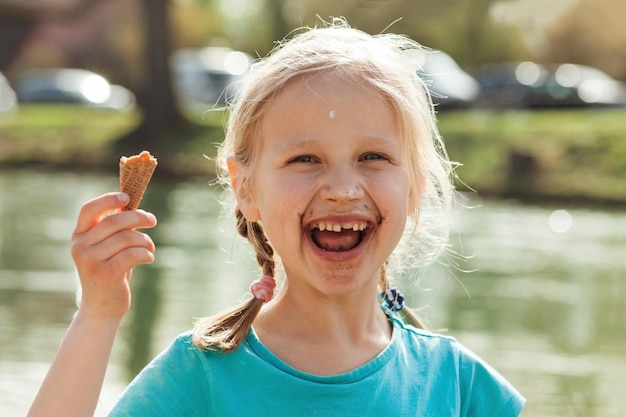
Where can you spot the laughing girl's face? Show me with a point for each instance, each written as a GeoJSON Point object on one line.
{"type": "Point", "coordinates": [328, 184]}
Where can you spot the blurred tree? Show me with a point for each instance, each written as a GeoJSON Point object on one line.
{"type": "Point", "coordinates": [463, 28]}
{"type": "Point", "coordinates": [477, 20]}
{"type": "Point", "coordinates": [196, 24]}
{"type": "Point", "coordinates": [17, 21]}
{"type": "Point", "coordinates": [469, 34]}
{"type": "Point", "coordinates": [107, 39]}
{"type": "Point", "coordinates": [12, 34]}
{"type": "Point", "coordinates": [591, 33]}
{"type": "Point", "coordinates": [373, 16]}
{"type": "Point", "coordinates": [155, 95]}
{"type": "Point", "coordinates": [277, 15]}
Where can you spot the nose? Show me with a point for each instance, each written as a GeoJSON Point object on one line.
{"type": "Point", "coordinates": [342, 185]}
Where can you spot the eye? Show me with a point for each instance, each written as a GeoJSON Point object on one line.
{"type": "Point", "coordinates": [303, 159]}
{"type": "Point", "coordinates": [374, 157]}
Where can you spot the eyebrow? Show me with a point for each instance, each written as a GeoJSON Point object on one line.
{"type": "Point", "coordinates": [297, 142]}
{"type": "Point", "coordinates": [285, 144]}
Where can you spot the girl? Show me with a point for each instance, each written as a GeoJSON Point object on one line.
{"type": "Point", "coordinates": [334, 158]}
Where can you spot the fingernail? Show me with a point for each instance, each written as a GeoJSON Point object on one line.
{"type": "Point", "coordinates": [123, 197]}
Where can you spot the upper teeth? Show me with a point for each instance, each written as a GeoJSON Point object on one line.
{"type": "Point", "coordinates": [335, 227]}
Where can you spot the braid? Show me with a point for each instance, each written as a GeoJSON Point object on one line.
{"type": "Point", "coordinates": [255, 235]}
{"type": "Point", "coordinates": [409, 315]}
{"type": "Point", "coordinates": [383, 282]}
{"type": "Point", "coordinates": [227, 330]}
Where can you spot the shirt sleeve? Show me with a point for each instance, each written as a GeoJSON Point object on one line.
{"type": "Point", "coordinates": [484, 391]}
{"type": "Point", "coordinates": [173, 384]}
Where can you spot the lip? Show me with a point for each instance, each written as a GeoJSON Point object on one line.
{"type": "Point", "coordinates": [341, 219]}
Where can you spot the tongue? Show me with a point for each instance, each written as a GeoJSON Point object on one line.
{"type": "Point", "coordinates": [336, 241]}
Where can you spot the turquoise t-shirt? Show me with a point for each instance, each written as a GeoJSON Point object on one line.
{"type": "Point", "coordinates": [418, 374]}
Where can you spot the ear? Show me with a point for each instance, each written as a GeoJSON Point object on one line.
{"type": "Point", "coordinates": [239, 180]}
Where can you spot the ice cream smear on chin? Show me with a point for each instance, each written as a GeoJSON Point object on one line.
{"type": "Point", "coordinates": [334, 237]}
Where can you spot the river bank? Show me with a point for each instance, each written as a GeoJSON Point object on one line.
{"type": "Point", "coordinates": [573, 156]}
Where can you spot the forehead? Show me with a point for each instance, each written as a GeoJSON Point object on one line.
{"type": "Point", "coordinates": [328, 104]}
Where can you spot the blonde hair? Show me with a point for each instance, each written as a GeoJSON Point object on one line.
{"type": "Point", "coordinates": [385, 62]}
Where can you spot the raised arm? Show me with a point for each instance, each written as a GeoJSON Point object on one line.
{"type": "Point", "coordinates": [105, 248]}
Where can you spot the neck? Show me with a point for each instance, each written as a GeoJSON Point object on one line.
{"type": "Point", "coordinates": [353, 314]}
{"type": "Point", "coordinates": [325, 335]}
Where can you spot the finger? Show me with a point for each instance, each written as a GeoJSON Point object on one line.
{"type": "Point", "coordinates": [120, 242]}
{"type": "Point", "coordinates": [110, 236]}
{"type": "Point", "coordinates": [102, 260]}
{"type": "Point", "coordinates": [94, 209]}
{"type": "Point", "coordinates": [125, 220]}
{"type": "Point", "coordinates": [115, 223]}
{"type": "Point", "coordinates": [127, 259]}
{"type": "Point", "coordinates": [124, 261]}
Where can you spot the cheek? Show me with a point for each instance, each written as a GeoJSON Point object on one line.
{"type": "Point", "coordinates": [411, 199]}
{"type": "Point", "coordinates": [394, 189]}
{"type": "Point", "coordinates": [393, 203]}
{"type": "Point", "coordinates": [281, 206]}
{"type": "Point", "coordinates": [402, 206]}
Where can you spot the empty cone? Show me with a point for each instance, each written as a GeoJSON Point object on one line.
{"type": "Point", "coordinates": [135, 174]}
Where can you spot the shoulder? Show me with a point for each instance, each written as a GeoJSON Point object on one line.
{"type": "Point", "coordinates": [433, 343]}
{"type": "Point", "coordinates": [481, 388]}
{"type": "Point", "coordinates": [173, 383]}
{"type": "Point", "coordinates": [425, 341]}
{"type": "Point", "coordinates": [178, 361]}
{"type": "Point", "coordinates": [435, 346]}
{"type": "Point", "coordinates": [181, 347]}
{"type": "Point", "coordinates": [183, 354]}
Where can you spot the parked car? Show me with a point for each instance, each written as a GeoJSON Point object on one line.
{"type": "Point", "coordinates": [530, 85]}
{"type": "Point", "coordinates": [208, 76]}
{"type": "Point", "coordinates": [572, 85]}
{"type": "Point", "coordinates": [72, 86]}
{"type": "Point", "coordinates": [511, 84]}
{"type": "Point", "coordinates": [449, 85]}
{"type": "Point", "coordinates": [8, 98]}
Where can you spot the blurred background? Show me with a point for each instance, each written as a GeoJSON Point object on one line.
{"type": "Point", "coordinates": [531, 101]}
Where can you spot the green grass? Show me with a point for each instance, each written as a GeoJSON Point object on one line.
{"type": "Point", "coordinates": [61, 135]}
{"type": "Point", "coordinates": [579, 154]}
{"type": "Point", "coordinates": [64, 136]}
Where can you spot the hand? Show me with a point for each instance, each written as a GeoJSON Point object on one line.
{"type": "Point", "coordinates": [105, 248]}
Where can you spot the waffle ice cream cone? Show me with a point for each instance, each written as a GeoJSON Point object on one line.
{"type": "Point", "coordinates": [135, 174]}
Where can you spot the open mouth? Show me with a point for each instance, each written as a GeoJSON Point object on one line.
{"type": "Point", "coordinates": [334, 237]}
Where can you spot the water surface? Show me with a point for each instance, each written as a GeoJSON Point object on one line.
{"type": "Point", "coordinates": [543, 302]}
